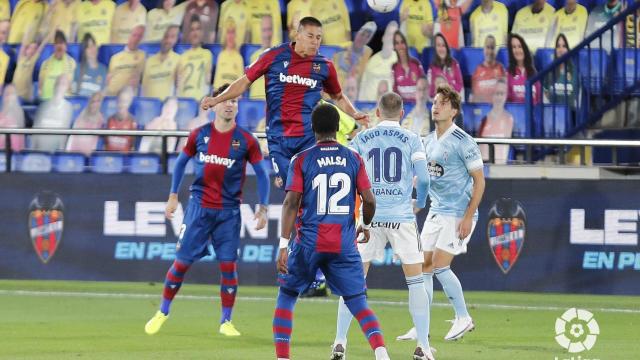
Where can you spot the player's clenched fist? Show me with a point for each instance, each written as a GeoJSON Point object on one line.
{"type": "Point", "coordinates": [261, 217]}
{"type": "Point", "coordinates": [172, 205]}
{"type": "Point", "coordinates": [208, 102]}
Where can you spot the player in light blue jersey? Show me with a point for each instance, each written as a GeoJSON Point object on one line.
{"type": "Point", "coordinates": [393, 156]}
{"type": "Point", "coordinates": [457, 184]}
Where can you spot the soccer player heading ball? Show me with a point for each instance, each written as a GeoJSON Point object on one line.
{"type": "Point", "coordinates": [220, 150]}
{"type": "Point", "coordinates": [295, 74]}
{"type": "Point", "coordinates": [323, 183]}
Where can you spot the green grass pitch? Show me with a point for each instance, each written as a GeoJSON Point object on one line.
{"type": "Point", "coordinates": [105, 320]}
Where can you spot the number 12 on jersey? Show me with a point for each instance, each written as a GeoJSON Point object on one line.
{"type": "Point", "coordinates": [323, 183]}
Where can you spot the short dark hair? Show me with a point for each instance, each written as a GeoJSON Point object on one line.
{"type": "Point", "coordinates": [450, 95]}
{"type": "Point", "coordinates": [220, 90]}
{"type": "Point", "coordinates": [390, 105]}
{"type": "Point", "coordinates": [59, 37]}
{"type": "Point", "coordinates": [325, 119]}
{"type": "Point", "coordinates": [309, 20]}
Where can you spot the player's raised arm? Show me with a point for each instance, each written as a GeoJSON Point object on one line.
{"type": "Point", "coordinates": [344, 104]}
{"type": "Point", "coordinates": [237, 88]}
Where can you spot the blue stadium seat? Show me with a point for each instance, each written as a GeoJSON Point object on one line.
{"type": "Point", "coordinates": [187, 110]}
{"type": "Point", "coordinates": [69, 162]}
{"type": "Point", "coordinates": [593, 67]}
{"type": "Point", "coordinates": [145, 110]}
{"type": "Point", "coordinates": [429, 52]}
{"type": "Point", "coordinates": [543, 58]}
{"type": "Point", "coordinates": [554, 121]}
{"type": "Point", "coordinates": [520, 127]}
{"type": "Point", "coordinates": [503, 57]}
{"type": "Point", "coordinates": [250, 112]}
{"type": "Point", "coordinates": [32, 161]}
{"type": "Point", "coordinates": [624, 155]}
{"type": "Point", "coordinates": [408, 107]}
{"type": "Point", "coordinates": [150, 49]}
{"type": "Point", "coordinates": [144, 163]}
{"type": "Point", "coordinates": [12, 52]}
{"type": "Point", "coordinates": [109, 106]}
{"type": "Point", "coordinates": [246, 51]}
{"type": "Point", "coordinates": [627, 68]}
{"type": "Point", "coordinates": [189, 170]}
{"type": "Point", "coordinates": [328, 50]}
{"type": "Point", "coordinates": [472, 115]}
{"type": "Point", "coordinates": [73, 50]}
{"type": "Point", "coordinates": [78, 103]}
{"type": "Point", "coordinates": [469, 60]}
{"type": "Point", "coordinates": [107, 162]}
{"type": "Point", "coordinates": [106, 51]}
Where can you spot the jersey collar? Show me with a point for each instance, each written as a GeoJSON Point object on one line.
{"type": "Point", "coordinates": [389, 123]}
{"type": "Point", "coordinates": [446, 133]}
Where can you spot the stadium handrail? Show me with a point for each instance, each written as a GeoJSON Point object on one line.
{"type": "Point", "coordinates": [529, 143]}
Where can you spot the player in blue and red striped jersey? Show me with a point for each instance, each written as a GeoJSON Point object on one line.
{"type": "Point", "coordinates": [295, 74]}
{"type": "Point", "coordinates": [323, 183]}
{"type": "Point", "coordinates": [220, 150]}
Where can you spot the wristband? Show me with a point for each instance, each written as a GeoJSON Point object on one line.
{"type": "Point", "coordinates": [365, 226]}
{"type": "Point", "coordinates": [284, 243]}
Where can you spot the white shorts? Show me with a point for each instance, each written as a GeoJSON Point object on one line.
{"type": "Point", "coordinates": [441, 231]}
{"type": "Point", "coordinates": [404, 240]}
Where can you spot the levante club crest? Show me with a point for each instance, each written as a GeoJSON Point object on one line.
{"type": "Point", "coordinates": [46, 221]}
{"type": "Point", "coordinates": [506, 231]}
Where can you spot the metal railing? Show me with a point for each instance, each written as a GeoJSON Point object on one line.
{"type": "Point", "coordinates": [529, 144]}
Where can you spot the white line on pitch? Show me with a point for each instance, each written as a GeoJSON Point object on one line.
{"type": "Point", "coordinates": [257, 298]}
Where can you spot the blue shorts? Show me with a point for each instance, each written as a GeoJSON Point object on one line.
{"type": "Point", "coordinates": [282, 149]}
{"type": "Point", "coordinates": [344, 272]}
{"type": "Point", "coordinates": [201, 225]}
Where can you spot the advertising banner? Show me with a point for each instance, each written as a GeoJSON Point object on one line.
{"type": "Point", "coordinates": [532, 235]}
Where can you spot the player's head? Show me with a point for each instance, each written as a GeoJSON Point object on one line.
{"type": "Point", "coordinates": [446, 104]}
{"type": "Point", "coordinates": [309, 36]}
{"type": "Point", "coordinates": [390, 107]}
{"type": "Point", "coordinates": [325, 121]}
{"type": "Point", "coordinates": [227, 110]}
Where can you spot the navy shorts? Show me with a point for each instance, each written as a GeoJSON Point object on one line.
{"type": "Point", "coordinates": [201, 226]}
{"type": "Point", "coordinates": [282, 149]}
{"type": "Point", "coordinates": [344, 272]}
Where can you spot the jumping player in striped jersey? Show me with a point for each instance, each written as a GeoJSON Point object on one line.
{"type": "Point", "coordinates": [220, 150]}
{"type": "Point", "coordinates": [322, 186]}
{"type": "Point", "coordinates": [393, 157]}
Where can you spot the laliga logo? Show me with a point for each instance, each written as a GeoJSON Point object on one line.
{"type": "Point", "coordinates": [577, 330]}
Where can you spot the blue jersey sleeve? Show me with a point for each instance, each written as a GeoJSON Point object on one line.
{"type": "Point", "coordinates": [419, 160]}
{"type": "Point", "coordinates": [469, 152]}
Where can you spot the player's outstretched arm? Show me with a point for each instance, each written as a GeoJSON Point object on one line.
{"type": "Point", "coordinates": [344, 104]}
{"type": "Point", "coordinates": [290, 208]}
{"type": "Point", "coordinates": [176, 179]}
{"type": "Point", "coordinates": [264, 188]}
{"type": "Point", "coordinates": [476, 196]}
{"type": "Point", "coordinates": [368, 210]}
{"type": "Point", "coordinates": [234, 90]}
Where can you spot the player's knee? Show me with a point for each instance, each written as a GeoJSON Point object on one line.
{"type": "Point", "coordinates": [289, 292]}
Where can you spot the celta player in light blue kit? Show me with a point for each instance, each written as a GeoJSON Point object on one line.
{"type": "Point", "coordinates": [393, 156]}
{"type": "Point", "coordinates": [457, 184]}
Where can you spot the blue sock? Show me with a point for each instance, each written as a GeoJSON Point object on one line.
{"type": "Point", "coordinates": [453, 289]}
{"type": "Point", "coordinates": [428, 285]}
{"type": "Point", "coordinates": [419, 309]}
{"type": "Point", "coordinates": [172, 283]}
{"type": "Point", "coordinates": [283, 322]}
{"type": "Point", "coordinates": [343, 322]}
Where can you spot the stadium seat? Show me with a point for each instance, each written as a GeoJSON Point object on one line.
{"type": "Point", "coordinates": [150, 49]}
{"type": "Point", "coordinates": [106, 51]}
{"type": "Point", "coordinates": [189, 170]}
{"type": "Point", "coordinates": [554, 121]}
{"type": "Point", "coordinates": [472, 115]}
{"type": "Point", "coordinates": [144, 163]}
{"type": "Point", "coordinates": [329, 50]}
{"type": "Point", "coordinates": [624, 155]}
{"type": "Point", "coordinates": [627, 68]}
{"type": "Point", "coordinates": [520, 126]}
{"type": "Point", "coordinates": [250, 112]}
{"type": "Point", "coordinates": [503, 57]}
{"type": "Point", "coordinates": [187, 110]}
{"type": "Point", "coordinates": [246, 51]}
{"type": "Point", "coordinates": [593, 67]}
{"type": "Point", "coordinates": [32, 161]}
{"type": "Point", "coordinates": [78, 103]}
{"type": "Point", "coordinates": [107, 162]}
{"type": "Point", "coordinates": [109, 106]}
{"type": "Point", "coordinates": [543, 58]}
{"type": "Point", "coordinates": [469, 59]}
{"type": "Point", "coordinates": [3, 161]}
{"type": "Point", "coordinates": [73, 50]}
{"type": "Point", "coordinates": [68, 162]}
{"type": "Point", "coordinates": [428, 53]}
{"type": "Point", "coordinates": [145, 110]}
{"type": "Point", "coordinates": [11, 51]}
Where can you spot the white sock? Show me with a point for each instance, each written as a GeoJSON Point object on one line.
{"type": "Point", "coordinates": [381, 353]}
{"type": "Point", "coordinates": [419, 309]}
{"type": "Point", "coordinates": [343, 323]}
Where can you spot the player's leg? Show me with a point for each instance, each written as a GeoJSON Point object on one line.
{"type": "Point", "coordinates": [447, 247]}
{"type": "Point", "coordinates": [191, 246]}
{"type": "Point", "coordinates": [279, 159]}
{"type": "Point", "coordinates": [301, 265]}
{"type": "Point", "coordinates": [226, 240]}
{"type": "Point", "coordinates": [406, 244]}
{"type": "Point", "coordinates": [345, 277]}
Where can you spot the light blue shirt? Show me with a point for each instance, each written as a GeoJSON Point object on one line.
{"type": "Point", "coordinates": [450, 159]}
{"type": "Point", "coordinates": [391, 154]}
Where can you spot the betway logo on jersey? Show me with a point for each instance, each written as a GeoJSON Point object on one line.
{"type": "Point", "coordinates": [216, 160]}
{"type": "Point", "coordinates": [297, 79]}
